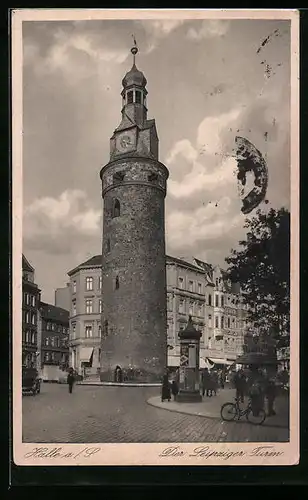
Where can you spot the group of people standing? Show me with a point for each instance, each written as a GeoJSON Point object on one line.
{"type": "Point", "coordinates": [258, 386]}
{"type": "Point", "coordinates": [211, 381]}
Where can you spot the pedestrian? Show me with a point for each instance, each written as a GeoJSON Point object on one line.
{"type": "Point", "coordinates": [240, 385]}
{"type": "Point", "coordinates": [206, 383]}
{"type": "Point", "coordinates": [270, 394]}
{"type": "Point", "coordinates": [118, 376]}
{"type": "Point", "coordinates": [222, 379]}
{"type": "Point", "coordinates": [174, 389]}
{"type": "Point", "coordinates": [214, 382]}
{"type": "Point", "coordinates": [165, 390]}
{"type": "Point", "coordinates": [70, 380]}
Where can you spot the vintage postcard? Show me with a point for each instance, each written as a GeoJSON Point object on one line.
{"type": "Point", "coordinates": [155, 247]}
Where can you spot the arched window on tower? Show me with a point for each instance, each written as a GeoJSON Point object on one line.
{"type": "Point", "coordinates": [130, 97]}
{"type": "Point", "coordinates": [116, 208]}
{"type": "Point", "coordinates": [138, 97]}
{"type": "Point", "coordinates": [117, 283]}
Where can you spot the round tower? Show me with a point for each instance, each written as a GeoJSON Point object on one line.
{"type": "Point", "coordinates": [134, 320]}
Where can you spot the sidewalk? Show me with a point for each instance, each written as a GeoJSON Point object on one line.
{"type": "Point", "coordinates": [117, 384]}
{"type": "Point", "coordinates": [210, 407]}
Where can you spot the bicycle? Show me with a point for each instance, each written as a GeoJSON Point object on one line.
{"type": "Point", "coordinates": [229, 412]}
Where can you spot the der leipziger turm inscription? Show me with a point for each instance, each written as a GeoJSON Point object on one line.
{"type": "Point", "coordinates": [133, 268]}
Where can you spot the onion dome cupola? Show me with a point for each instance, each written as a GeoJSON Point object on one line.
{"type": "Point", "coordinates": [134, 94]}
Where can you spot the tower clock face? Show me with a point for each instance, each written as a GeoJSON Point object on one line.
{"type": "Point", "coordinates": [126, 142]}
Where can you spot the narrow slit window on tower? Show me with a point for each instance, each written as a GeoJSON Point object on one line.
{"type": "Point", "coordinates": [152, 177]}
{"type": "Point", "coordinates": [108, 245]}
{"type": "Point", "coordinates": [117, 283]}
{"type": "Point", "coordinates": [138, 97]}
{"type": "Point", "coordinates": [118, 177]}
{"type": "Point", "coordinates": [130, 97]}
{"type": "Point", "coordinates": [116, 208]}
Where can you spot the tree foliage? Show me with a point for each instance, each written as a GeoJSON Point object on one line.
{"type": "Point", "coordinates": [262, 267]}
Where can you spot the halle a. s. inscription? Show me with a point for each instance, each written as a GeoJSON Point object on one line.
{"type": "Point", "coordinates": [52, 453]}
{"type": "Point", "coordinates": [208, 452]}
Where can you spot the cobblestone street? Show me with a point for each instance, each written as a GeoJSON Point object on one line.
{"type": "Point", "coordinates": [117, 414]}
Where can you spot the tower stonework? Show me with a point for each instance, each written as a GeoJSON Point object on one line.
{"type": "Point", "coordinates": [134, 322]}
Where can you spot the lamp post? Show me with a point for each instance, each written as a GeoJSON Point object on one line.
{"type": "Point", "coordinates": [189, 385]}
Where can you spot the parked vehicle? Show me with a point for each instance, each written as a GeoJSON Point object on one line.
{"type": "Point", "coordinates": [31, 382]}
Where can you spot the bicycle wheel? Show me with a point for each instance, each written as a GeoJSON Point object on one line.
{"type": "Point", "coordinates": [257, 419]}
{"type": "Point", "coordinates": [228, 412]}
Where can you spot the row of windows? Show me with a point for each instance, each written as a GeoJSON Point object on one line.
{"type": "Point", "coordinates": [88, 307]}
{"type": "Point", "coordinates": [191, 286]}
{"type": "Point", "coordinates": [88, 331]}
{"type": "Point", "coordinates": [29, 318]}
{"type": "Point", "coordinates": [56, 328]}
{"type": "Point", "coordinates": [50, 356]}
{"type": "Point", "coordinates": [192, 308]}
{"type": "Point", "coordinates": [30, 338]}
{"type": "Point", "coordinates": [89, 284]}
{"type": "Point", "coordinates": [56, 342]}
{"type": "Point", "coordinates": [29, 300]}
{"type": "Point", "coordinates": [228, 322]}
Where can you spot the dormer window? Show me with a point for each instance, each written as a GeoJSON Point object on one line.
{"type": "Point", "coordinates": [138, 97]}
{"type": "Point", "coordinates": [130, 97]}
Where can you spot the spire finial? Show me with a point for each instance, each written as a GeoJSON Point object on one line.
{"type": "Point", "coordinates": [134, 49]}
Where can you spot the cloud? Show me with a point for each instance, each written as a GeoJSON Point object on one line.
{"type": "Point", "coordinates": [159, 29]}
{"type": "Point", "coordinates": [209, 29]}
{"type": "Point", "coordinates": [74, 54]}
{"type": "Point", "coordinates": [55, 224]}
{"type": "Point", "coordinates": [187, 229]}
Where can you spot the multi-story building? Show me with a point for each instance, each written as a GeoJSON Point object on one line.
{"type": "Point", "coordinates": [193, 288]}
{"type": "Point", "coordinates": [85, 316]}
{"type": "Point", "coordinates": [63, 297]}
{"type": "Point", "coordinates": [203, 292]}
{"type": "Point", "coordinates": [30, 301]}
{"type": "Point", "coordinates": [185, 297]}
{"type": "Point", "coordinates": [54, 338]}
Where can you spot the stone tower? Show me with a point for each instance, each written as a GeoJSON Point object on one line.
{"type": "Point", "coordinates": [134, 273]}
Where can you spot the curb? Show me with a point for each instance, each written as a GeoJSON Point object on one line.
{"type": "Point", "coordinates": [213, 417]}
{"type": "Point", "coordinates": [119, 384]}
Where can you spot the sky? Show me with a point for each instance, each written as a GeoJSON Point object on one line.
{"type": "Point", "coordinates": [207, 83]}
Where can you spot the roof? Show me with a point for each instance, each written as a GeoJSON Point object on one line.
{"type": "Point", "coordinates": [190, 331]}
{"type": "Point", "coordinates": [95, 261]}
{"type": "Point", "coordinates": [26, 266]}
{"type": "Point", "coordinates": [49, 311]}
{"type": "Point", "coordinates": [134, 77]}
{"type": "Point", "coordinates": [184, 263]}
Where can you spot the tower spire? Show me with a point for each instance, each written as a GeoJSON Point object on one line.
{"type": "Point", "coordinates": [134, 50]}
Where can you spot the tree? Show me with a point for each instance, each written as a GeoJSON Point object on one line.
{"type": "Point", "coordinates": [262, 268]}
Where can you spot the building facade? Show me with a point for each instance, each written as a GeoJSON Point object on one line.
{"type": "Point", "coordinates": [54, 338]}
{"type": "Point", "coordinates": [30, 304]}
{"type": "Point", "coordinates": [133, 264]}
{"type": "Point", "coordinates": [199, 290]}
{"type": "Point", "coordinates": [85, 289]}
{"type": "Point", "coordinates": [203, 292]}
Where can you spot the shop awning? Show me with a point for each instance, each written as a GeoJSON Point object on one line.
{"type": "Point", "coordinates": [175, 361]}
{"type": "Point", "coordinates": [85, 354]}
{"type": "Point", "coordinates": [221, 361]}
